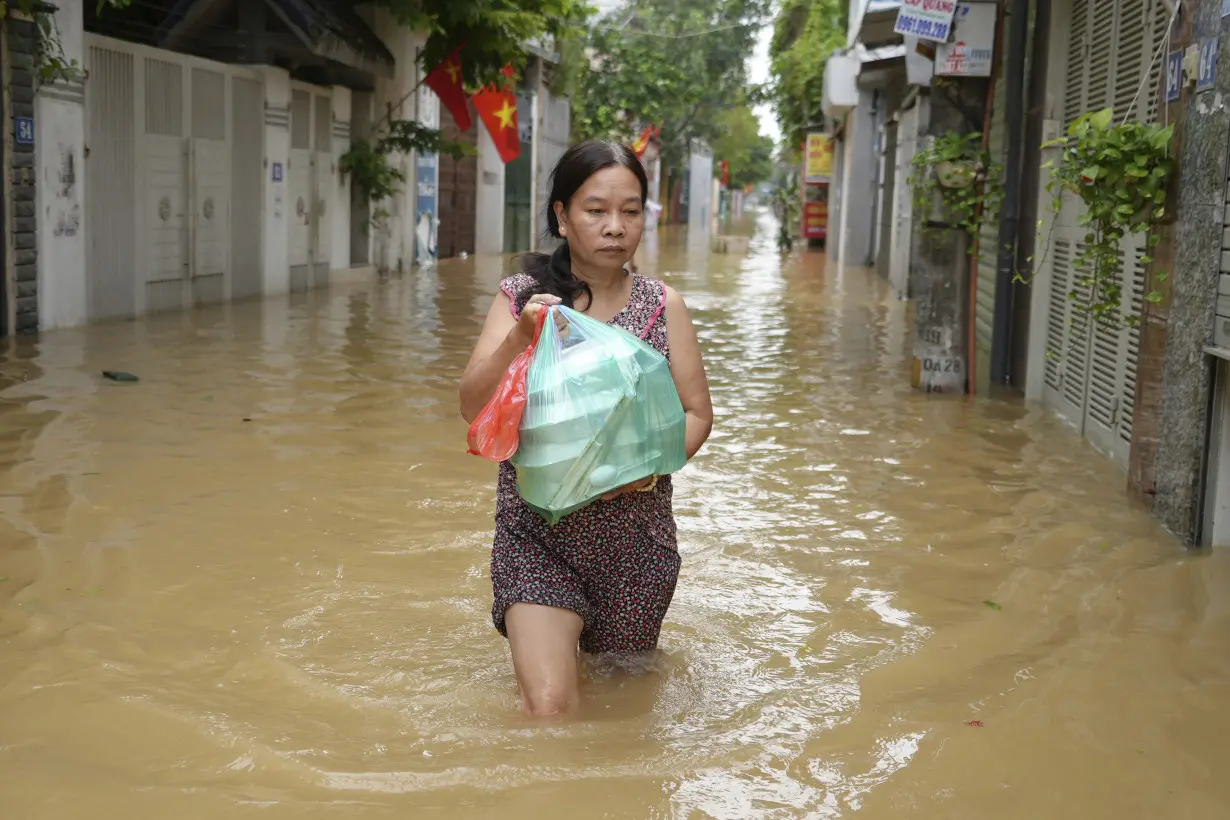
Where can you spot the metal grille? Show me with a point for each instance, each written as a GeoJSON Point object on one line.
{"type": "Point", "coordinates": [301, 120]}
{"type": "Point", "coordinates": [208, 105]}
{"type": "Point", "coordinates": [111, 183]}
{"type": "Point", "coordinates": [1075, 350]}
{"type": "Point", "coordinates": [324, 124]}
{"type": "Point", "coordinates": [1056, 326]}
{"type": "Point", "coordinates": [164, 96]}
{"type": "Point", "coordinates": [1127, 402]}
{"type": "Point", "coordinates": [1133, 47]}
{"type": "Point", "coordinates": [1074, 88]}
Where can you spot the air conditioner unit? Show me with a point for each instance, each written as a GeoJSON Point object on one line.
{"type": "Point", "coordinates": [840, 85]}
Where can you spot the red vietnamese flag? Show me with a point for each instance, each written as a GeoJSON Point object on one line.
{"type": "Point", "coordinates": [642, 142]}
{"type": "Point", "coordinates": [445, 80]}
{"type": "Point", "coordinates": [726, 173]}
{"type": "Point", "coordinates": [497, 108]}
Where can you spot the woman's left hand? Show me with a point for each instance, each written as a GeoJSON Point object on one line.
{"type": "Point", "coordinates": [635, 487]}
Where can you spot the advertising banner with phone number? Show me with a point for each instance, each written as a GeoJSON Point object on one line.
{"type": "Point", "coordinates": [926, 19]}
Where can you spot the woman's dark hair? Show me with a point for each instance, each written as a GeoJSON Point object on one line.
{"type": "Point", "coordinates": [580, 162]}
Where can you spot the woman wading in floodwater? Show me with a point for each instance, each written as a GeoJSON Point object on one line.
{"type": "Point", "coordinates": [604, 576]}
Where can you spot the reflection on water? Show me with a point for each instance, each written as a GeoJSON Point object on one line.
{"type": "Point", "coordinates": [255, 583]}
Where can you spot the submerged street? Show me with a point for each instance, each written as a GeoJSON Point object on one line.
{"type": "Point", "coordinates": [255, 584]}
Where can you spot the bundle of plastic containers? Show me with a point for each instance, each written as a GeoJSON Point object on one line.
{"type": "Point", "coordinates": [601, 412]}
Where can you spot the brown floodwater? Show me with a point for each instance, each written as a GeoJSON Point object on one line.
{"type": "Point", "coordinates": [254, 584]}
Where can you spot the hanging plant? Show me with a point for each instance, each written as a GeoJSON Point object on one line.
{"type": "Point", "coordinates": [1121, 173]}
{"type": "Point", "coordinates": [955, 183]}
{"type": "Point", "coordinates": [370, 163]}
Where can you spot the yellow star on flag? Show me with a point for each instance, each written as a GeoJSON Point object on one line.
{"type": "Point", "coordinates": [505, 115]}
{"type": "Point", "coordinates": [452, 70]}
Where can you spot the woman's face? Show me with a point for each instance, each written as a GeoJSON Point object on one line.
{"type": "Point", "coordinates": [604, 220]}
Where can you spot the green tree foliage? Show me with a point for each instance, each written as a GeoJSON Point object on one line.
{"type": "Point", "coordinates": [740, 143]}
{"type": "Point", "coordinates": [495, 31]}
{"type": "Point", "coordinates": [678, 63]}
{"type": "Point", "coordinates": [51, 64]}
{"type": "Point", "coordinates": [804, 36]}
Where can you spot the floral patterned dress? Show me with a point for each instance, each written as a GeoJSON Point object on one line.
{"type": "Point", "coordinates": [614, 563]}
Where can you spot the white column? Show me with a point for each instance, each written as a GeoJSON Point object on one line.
{"type": "Point", "coordinates": [393, 240]}
{"type": "Point", "coordinates": [277, 199]}
{"type": "Point", "coordinates": [423, 196]}
{"type": "Point", "coordinates": [489, 203]}
{"type": "Point", "coordinates": [60, 197]}
{"type": "Point", "coordinates": [339, 206]}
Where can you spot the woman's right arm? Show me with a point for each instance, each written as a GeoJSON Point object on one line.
{"type": "Point", "coordinates": [502, 338]}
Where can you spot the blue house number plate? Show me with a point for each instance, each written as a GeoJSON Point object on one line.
{"type": "Point", "coordinates": [25, 130]}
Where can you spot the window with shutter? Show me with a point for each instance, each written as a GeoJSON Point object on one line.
{"type": "Point", "coordinates": [1075, 351]}
{"type": "Point", "coordinates": [1110, 63]}
{"type": "Point", "coordinates": [1133, 41]}
{"type": "Point", "coordinates": [1074, 89]}
{"type": "Point", "coordinates": [1056, 323]}
{"type": "Point", "coordinates": [1131, 355]}
{"type": "Point", "coordinates": [1099, 88]}
{"type": "Point", "coordinates": [1159, 27]}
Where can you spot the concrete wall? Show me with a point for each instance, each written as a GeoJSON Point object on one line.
{"type": "Point", "coordinates": [1183, 441]}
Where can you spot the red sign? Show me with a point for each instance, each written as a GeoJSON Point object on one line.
{"type": "Point", "coordinates": [815, 220]}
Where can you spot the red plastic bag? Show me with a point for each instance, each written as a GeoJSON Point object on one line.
{"type": "Point", "coordinates": [496, 432]}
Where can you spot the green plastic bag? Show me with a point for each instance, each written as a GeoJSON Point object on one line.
{"type": "Point", "coordinates": [601, 411]}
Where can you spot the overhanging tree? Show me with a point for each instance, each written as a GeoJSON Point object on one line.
{"type": "Point", "coordinates": [494, 34]}
{"type": "Point", "coordinates": [50, 62]}
{"type": "Point", "coordinates": [741, 144]}
{"type": "Point", "coordinates": [805, 34]}
{"type": "Point", "coordinates": [679, 65]}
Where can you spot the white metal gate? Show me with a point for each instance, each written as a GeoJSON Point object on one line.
{"type": "Point", "coordinates": [1089, 373]}
{"type": "Point", "coordinates": [310, 178]}
{"type": "Point", "coordinates": [160, 172]}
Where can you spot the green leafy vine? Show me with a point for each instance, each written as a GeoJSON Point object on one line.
{"type": "Point", "coordinates": [1121, 172]}
{"type": "Point", "coordinates": [371, 164]}
{"type": "Point", "coordinates": [51, 64]}
{"type": "Point", "coordinates": [785, 200]}
{"type": "Point", "coordinates": [958, 171]}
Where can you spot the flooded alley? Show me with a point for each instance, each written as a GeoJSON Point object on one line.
{"type": "Point", "coordinates": [255, 583]}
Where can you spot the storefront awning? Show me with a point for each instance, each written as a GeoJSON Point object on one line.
{"type": "Point", "coordinates": [875, 26]}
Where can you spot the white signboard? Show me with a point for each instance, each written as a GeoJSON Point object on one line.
{"type": "Point", "coordinates": [926, 19]}
{"type": "Point", "coordinates": [972, 50]}
{"type": "Point", "coordinates": [919, 68]}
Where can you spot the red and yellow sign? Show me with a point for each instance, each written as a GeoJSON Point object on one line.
{"type": "Point", "coordinates": [818, 159]}
{"type": "Point", "coordinates": [815, 220]}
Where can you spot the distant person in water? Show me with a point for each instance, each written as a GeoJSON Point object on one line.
{"type": "Point", "coordinates": [603, 577]}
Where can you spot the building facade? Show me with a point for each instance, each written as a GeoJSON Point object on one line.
{"type": "Point", "coordinates": [1147, 391]}
{"type": "Point", "coordinates": [196, 159]}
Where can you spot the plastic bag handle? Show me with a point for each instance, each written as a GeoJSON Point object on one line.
{"type": "Point", "coordinates": [540, 324]}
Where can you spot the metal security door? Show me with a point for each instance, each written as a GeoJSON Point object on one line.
{"type": "Point", "coordinates": [1090, 371]}
{"type": "Point", "coordinates": [211, 184]}
{"type": "Point", "coordinates": [166, 189]}
{"type": "Point", "coordinates": [111, 193]}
